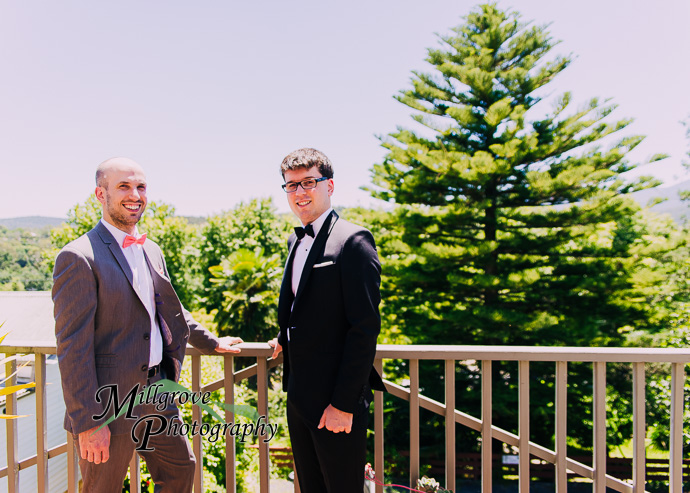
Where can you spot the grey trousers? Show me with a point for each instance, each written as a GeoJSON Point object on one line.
{"type": "Point", "coordinates": [171, 463]}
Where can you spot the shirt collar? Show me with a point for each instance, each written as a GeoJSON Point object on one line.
{"type": "Point", "coordinates": [319, 221]}
{"type": "Point", "coordinates": [118, 234]}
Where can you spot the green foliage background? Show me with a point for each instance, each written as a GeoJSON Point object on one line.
{"type": "Point", "coordinates": [22, 266]}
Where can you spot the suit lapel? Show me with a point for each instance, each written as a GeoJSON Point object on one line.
{"type": "Point", "coordinates": [286, 296]}
{"type": "Point", "coordinates": [159, 282]}
{"type": "Point", "coordinates": [115, 249]}
{"type": "Point", "coordinates": [157, 273]}
{"type": "Point", "coordinates": [316, 249]}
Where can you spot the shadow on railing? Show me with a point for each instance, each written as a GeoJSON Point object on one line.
{"type": "Point", "coordinates": [564, 466]}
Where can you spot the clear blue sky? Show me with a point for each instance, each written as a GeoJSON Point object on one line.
{"type": "Point", "coordinates": [210, 96]}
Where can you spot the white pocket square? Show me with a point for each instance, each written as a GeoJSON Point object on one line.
{"type": "Point", "coordinates": [323, 264]}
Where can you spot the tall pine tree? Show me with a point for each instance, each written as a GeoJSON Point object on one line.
{"type": "Point", "coordinates": [514, 230]}
{"type": "Point", "coordinates": [512, 224]}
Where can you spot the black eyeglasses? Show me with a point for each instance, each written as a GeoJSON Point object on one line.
{"type": "Point", "coordinates": [307, 184]}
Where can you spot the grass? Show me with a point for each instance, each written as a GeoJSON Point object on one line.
{"type": "Point", "coordinates": [651, 452]}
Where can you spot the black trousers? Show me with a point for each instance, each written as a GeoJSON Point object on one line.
{"type": "Point", "coordinates": [328, 462]}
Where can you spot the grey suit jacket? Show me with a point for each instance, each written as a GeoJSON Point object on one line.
{"type": "Point", "coordinates": [103, 329]}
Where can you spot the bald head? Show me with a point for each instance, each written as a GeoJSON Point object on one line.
{"type": "Point", "coordinates": [121, 189]}
{"type": "Point", "coordinates": [115, 165]}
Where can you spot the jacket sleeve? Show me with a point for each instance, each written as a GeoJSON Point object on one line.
{"type": "Point", "coordinates": [74, 301]}
{"type": "Point", "coordinates": [199, 337]}
{"type": "Point", "coordinates": [361, 280]}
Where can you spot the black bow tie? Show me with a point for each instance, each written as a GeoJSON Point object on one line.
{"type": "Point", "coordinates": [307, 230]}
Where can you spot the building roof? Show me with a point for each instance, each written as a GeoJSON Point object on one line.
{"type": "Point", "coordinates": [27, 317]}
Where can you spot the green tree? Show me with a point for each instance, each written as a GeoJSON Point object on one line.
{"type": "Point", "coordinates": [247, 226]}
{"type": "Point", "coordinates": [80, 220]}
{"type": "Point", "coordinates": [180, 243]}
{"type": "Point", "coordinates": [251, 283]}
{"type": "Point", "coordinates": [513, 218]}
{"type": "Point", "coordinates": [674, 302]}
{"type": "Point", "coordinates": [21, 262]}
{"type": "Point", "coordinates": [685, 194]}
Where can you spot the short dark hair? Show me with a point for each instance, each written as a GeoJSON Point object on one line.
{"type": "Point", "coordinates": [307, 158]}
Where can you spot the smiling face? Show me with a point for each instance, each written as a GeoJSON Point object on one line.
{"type": "Point", "coordinates": [308, 205]}
{"type": "Point", "coordinates": [122, 191]}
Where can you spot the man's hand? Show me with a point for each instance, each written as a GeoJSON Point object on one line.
{"type": "Point", "coordinates": [277, 348]}
{"type": "Point", "coordinates": [336, 420]}
{"type": "Point", "coordinates": [95, 447]}
{"type": "Point", "coordinates": [227, 343]}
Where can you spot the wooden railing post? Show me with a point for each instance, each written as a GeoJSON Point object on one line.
{"type": "Point", "coordinates": [72, 465]}
{"type": "Point", "coordinates": [262, 397]}
{"type": "Point", "coordinates": [639, 428]}
{"type": "Point", "coordinates": [676, 430]}
{"type": "Point", "coordinates": [599, 419]}
{"type": "Point", "coordinates": [523, 426]}
{"type": "Point", "coordinates": [41, 424]}
{"type": "Point", "coordinates": [11, 424]}
{"type": "Point", "coordinates": [196, 417]}
{"type": "Point", "coordinates": [414, 422]}
{"type": "Point", "coordinates": [450, 424]}
{"type": "Point", "coordinates": [561, 432]}
{"type": "Point", "coordinates": [135, 474]}
{"type": "Point", "coordinates": [487, 442]}
{"type": "Point", "coordinates": [378, 430]}
{"type": "Point", "coordinates": [230, 452]}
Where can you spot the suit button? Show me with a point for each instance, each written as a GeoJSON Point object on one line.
{"type": "Point", "coordinates": [144, 367]}
{"type": "Point", "coordinates": [147, 337]}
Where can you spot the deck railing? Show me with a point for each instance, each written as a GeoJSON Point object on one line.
{"type": "Point", "coordinates": [450, 355]}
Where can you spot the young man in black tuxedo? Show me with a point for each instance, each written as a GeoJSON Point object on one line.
{"type": "Point", "coordinates": [329, 321]}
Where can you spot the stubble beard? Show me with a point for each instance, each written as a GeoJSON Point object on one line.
{"type": "Point", "coordinates": [121, 220]}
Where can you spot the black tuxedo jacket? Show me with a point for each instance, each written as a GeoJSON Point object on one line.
{"type": "Point", "coordinates": [328, 330]}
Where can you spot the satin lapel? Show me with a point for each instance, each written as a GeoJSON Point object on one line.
{"type": "Point", "coordinates": [286, 296]}
{"type": "Point", "coordinates": [316, 250]}
{"type": "Point", "coordinates": [115, 249]}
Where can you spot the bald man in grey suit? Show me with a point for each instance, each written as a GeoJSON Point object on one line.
{"type": "Point", "coordinates": [118, 322]}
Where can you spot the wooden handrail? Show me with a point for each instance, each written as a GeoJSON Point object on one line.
{"type": "Point", "coordinates": [457, 353]}
{"type": "Point", "coordinates": [450, 355]}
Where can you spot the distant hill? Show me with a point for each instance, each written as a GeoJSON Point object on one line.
{"type": "Point", "coordinates": [195, 219]}
{"type": "Point", "coordinates": [672, 205]}
{"type": "Point", "coordinates": [40, 222]}
{"type": "Point", "coordinates": [31, 222]}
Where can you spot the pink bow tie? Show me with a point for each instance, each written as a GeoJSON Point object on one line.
{"type": "Point", "coordinates": [131, 240]}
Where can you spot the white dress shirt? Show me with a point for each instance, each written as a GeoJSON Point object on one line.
{"type": "Point", "coordinates": [302, 249]}
{"type": "Point", "coordinates": [143, 281]}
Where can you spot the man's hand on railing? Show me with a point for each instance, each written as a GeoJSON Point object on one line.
{"type": "Point", "coordinates": [95, 445]}
{"type": "Point", "coordinates": [336, 420]}
{"type": "Point", "coordinates": [277, 348]}
{"type": "Point", "coordinates": [227, 343]}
